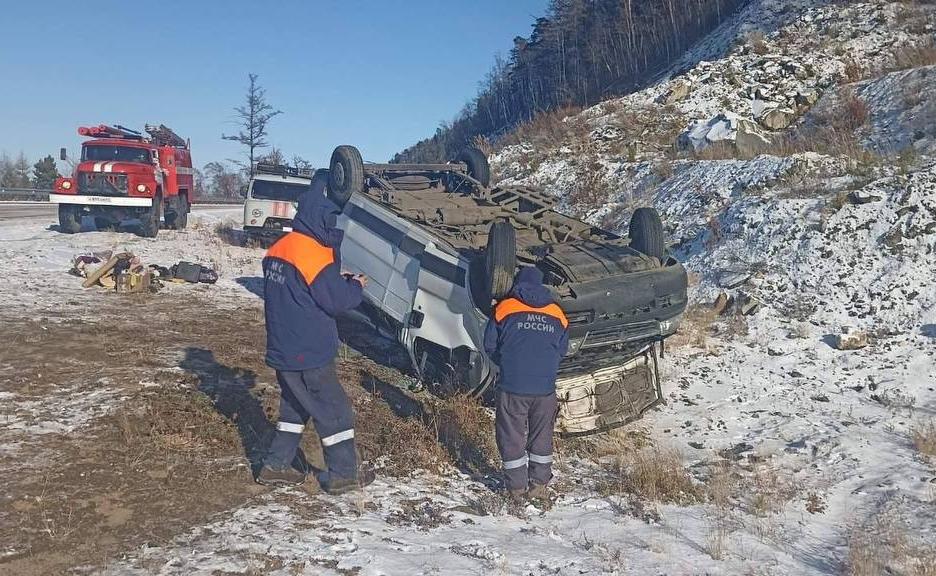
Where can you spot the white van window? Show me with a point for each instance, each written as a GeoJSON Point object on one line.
{"type": "Point", "coordinates": [283, 191]}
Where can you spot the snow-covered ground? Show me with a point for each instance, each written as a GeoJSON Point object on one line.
{"type": "Point", "coordinates": [36, 287]}
{"type": "Point", "coordinates": [816, 439]}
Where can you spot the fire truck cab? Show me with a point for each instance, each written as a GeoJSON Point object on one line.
{"type": "Point", "coordinates": [123, 175]}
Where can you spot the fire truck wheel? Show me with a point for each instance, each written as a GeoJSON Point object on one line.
{"type": "Point", "coordinates": [182, 216]}
{"type": "Point", "coordinates": [69, 218]}
{"type": "Point", "coordinates": [177, 213]}
{"type": "Point", "coordinates": [103, 223]}
{"type": "Point", "coordinates": [149, 220]}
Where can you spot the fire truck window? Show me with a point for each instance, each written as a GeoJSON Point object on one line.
{"type": "Point", "coordinates": [114, 154]}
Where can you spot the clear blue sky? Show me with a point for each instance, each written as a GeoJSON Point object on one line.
{"type": "Point", "coordinates": [379, 74]}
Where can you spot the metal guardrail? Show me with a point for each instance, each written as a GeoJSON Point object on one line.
{"type": "Point", "coordinates": [36, 195]}
{"type": "Point", "coordinates": [24, 194]}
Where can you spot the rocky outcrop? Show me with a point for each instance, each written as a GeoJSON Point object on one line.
{"type": "Point", "coordinates": [725, 128]}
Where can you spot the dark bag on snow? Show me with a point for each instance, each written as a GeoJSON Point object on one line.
{"type": "Point", "coordinates": [207, 276]}
{"type": "Point", "coordinates": [187, 271]}
{"type": "Point", "coordinates": [194, 273]}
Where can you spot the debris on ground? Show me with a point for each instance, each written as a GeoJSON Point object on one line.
{"type": "Point", "coordinates": [850, 339]}
{"type": "Point", "coordinates": [124, 272]}
{"type": "Point", "coordinates": [193, 273]}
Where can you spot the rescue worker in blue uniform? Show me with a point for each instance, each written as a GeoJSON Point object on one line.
{"type": "Point", "coordinates": [304, 290]}
{"type": "Point", "coordinates": [527, 336]}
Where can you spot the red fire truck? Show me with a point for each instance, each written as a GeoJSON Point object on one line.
{"type": "Point", "coordinates": [124, 174]}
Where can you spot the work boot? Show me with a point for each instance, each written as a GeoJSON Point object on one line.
{"type": "Point", "coordinates": [288, 476]}
{"type": "Point", "coordinates": [517, 496]}
{"type": "Point", "coordinates": [336, 486]}
{"type": "Point", "coordinates": [538, 493]}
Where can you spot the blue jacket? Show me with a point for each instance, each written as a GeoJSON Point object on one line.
{"type": "Point", "coordinates": [304, 290]}
{"type": "Point", "coordinates": [527, 336]}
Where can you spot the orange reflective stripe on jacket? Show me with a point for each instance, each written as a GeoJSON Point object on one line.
{"type": "Point", "coordinates": [514, 306]}
{"type": "Point", "coordinates": [304, 253]}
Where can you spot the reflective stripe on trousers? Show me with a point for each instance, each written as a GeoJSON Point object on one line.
{"type": "Point", "coordinates": [537, 459]}
{"type": "Point", "coordinates": [338, 437]}
{"type": "Point", "coordinates": [290, 427]}
{"type": "Point", "coordinates": [518, 463]}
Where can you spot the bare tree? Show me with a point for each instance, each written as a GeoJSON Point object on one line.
{"type": "Point", "coordinates": [221, 182]}
{"type": "Point", "coordinates": [301, 163]}
{"type": "Point", "coordinates": [14, 173]}
{"type": "Point", "coordinates": [274, 156]}
{"type": "Point", "coordinates": [253, 120]}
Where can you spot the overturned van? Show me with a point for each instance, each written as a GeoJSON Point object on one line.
{"type": "Point", "coordinates": [440, 245]}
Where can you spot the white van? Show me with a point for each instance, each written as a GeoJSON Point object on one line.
{"type": "Point", "coordinates": [273, 194]}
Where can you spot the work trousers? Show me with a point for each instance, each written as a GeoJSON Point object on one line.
{"type": "Point", "coordinates": [317, 395]}
{"type": "Point", "coordinates": [524, 432]}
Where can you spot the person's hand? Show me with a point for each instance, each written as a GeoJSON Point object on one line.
{"type": "Point", "coordinates": [361, 279]}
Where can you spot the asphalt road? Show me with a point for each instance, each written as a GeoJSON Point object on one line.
{"type": "Point", "coordinates": [20, 211]}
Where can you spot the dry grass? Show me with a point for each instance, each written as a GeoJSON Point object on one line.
{"type": "Point", "coordinates": [612, 443]}
{"type": "Point", "coordinates": [400, 444]}
{"type": "Point", "coordinates": [853, 72]}
{"type": "Point", "coordinates": [548, 129]}
{"type": "Point", "coordinates": [885, 546]}
{"type": "Point", "coordinates": [762, 490]}
{"type": "Point", "coordinates": [589, 190]}
{"type": "Point", "coordinates": [924, 440]}
{"type": "Point", "coordinates": [758, 43]}
{"type": "Point", "coordinates": [173, 426]}
{"type": "Point", "coordinates": [654, 474]}
{"type": "Point", "coordinates": [915, 56]}
{"type": "Point", "coordinates": [716, 544]}
{"type": "Point", "coordinates": [465, 431]}
{"type": "Point", "coordinates": [768, 490]}
{"type": "Point", "coordinates": [483, 144]}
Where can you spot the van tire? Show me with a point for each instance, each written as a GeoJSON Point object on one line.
{"type": "Point", "coordinates": [319, 183]}
{"type": "Point", "coordinates": [478, 167]}
{"type": "Point", "coordinates": [646, 232]}
{"type": "Point", "coordinates": [345, 174]}
{"type": "Point", "coordinates": [69, 218]}
{"type": "Point", "coordinates": [500, 259]}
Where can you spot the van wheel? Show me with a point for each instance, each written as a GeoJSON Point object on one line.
{"type": "Point", "coordinates": [319, 183]}
{"type": "Point", "coordinates": [646, 232]}
{"type": "Point", "coordinates": [500, 259]}
{"type": "Point", "coordinates": [69, 218]}
{"type": "Point", "coordinates": [345, 174]}
{"type": "Point", "coordinates": [149, 219]}
{"type": "Point", "coordinates": [478, 167]}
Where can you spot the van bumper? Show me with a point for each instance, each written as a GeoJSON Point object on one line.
{"type": "Point", "coordinates": [610, 397]}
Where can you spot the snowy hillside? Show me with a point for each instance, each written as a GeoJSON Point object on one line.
{"type": "Point", "coordinates": [792, 156]}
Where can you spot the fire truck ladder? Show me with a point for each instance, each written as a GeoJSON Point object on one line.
{"type": "Point", "coordinates": [163, 136]}
{"type": "Point", "coordinates": [104, 131]}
